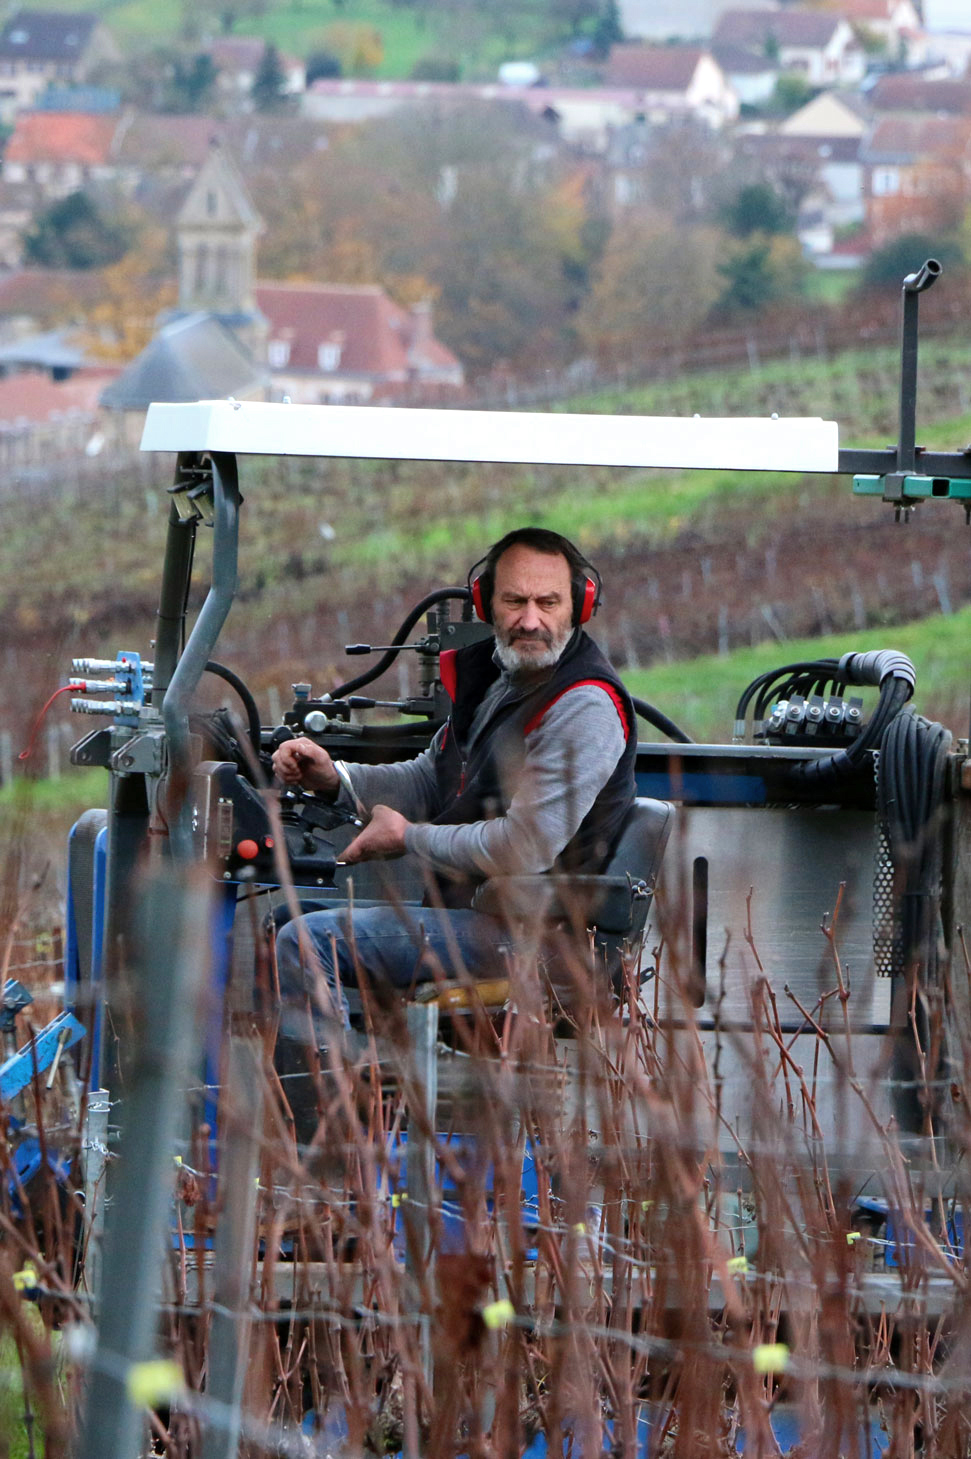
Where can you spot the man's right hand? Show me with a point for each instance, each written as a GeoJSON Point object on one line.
{"type": "Point", "coordinates": [302, 762]}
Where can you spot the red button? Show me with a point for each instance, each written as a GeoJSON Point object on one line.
{"type": "Point", "coordinates": [247, 850]}
{"type": "Point", "coordinates": [269, 842]}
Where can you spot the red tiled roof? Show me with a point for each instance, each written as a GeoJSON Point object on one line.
{"type": "Point", "coordinates": [61, 136]}
{"type": "Point", "coordinates": [374, 333]}
{"type": "Point", "coordinates": [31, 396]}
{"type": "Point", "coordinates": [657, 68]}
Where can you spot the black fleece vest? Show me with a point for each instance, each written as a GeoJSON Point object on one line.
{"type": "Point", "coordinates": [478, 785]}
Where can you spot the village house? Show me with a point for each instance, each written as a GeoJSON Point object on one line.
{"type": "Point", "coordinates": [895, 25]}
{"type": "Point", "coordinates": [918, 174]}
{"type": "Point", "coordinates": [238, 58]}
{"type": "Point", "coordinates": [310, 343]}
{"type": "Point", "coordinates": [38, 47]}
{"type": "Point", "coordinates": [752, 75]}
{"type": "Point", "coordinates": [60, 152]}
{"type": "Point", "coordinates": [673, 82]}
{"type": "Point", "coordinates": [814, 44]}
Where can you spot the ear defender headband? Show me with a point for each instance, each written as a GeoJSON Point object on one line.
{"type": "Point", "coordinates": [586, 587]}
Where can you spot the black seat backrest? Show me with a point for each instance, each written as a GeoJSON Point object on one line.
{"type": "Point", "coordinates": [642, 840]}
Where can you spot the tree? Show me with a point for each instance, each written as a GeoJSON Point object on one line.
{"type": "Point", "coordinates": [269, 81]}
{"type": "Point", "coordinates": [75, 232]}
{"type": "Point", "coordinates": [888, 266]}
{"type": "Point", "coordinates": [760, 271]}
{"type": "Point", "coordinates": [757, 208]}
{"type": "Point", "coordinates": [134, 292]}
{"type": "Point", "coordinates": [790, 93]}
{"type": "Point", "coordinates": [654, 280]}
{"type": "Point", "coordinates": [191, 84]}
{"type": "Point", "coordinates": [322, 65]}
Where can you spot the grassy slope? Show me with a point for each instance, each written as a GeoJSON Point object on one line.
{"type": "Point", "coordinates": [408, 32]}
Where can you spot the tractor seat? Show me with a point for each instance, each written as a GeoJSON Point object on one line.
{"type": "Point", "coordinates": [604, 912]}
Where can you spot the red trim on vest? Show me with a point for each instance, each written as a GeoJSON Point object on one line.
{"type": "Point", "coordinates": [447, 672]}
{"type": "Point", "coordinates": [582, 684]}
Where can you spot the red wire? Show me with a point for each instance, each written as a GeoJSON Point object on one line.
{"type": "Point", "coordinates": [26, 754]}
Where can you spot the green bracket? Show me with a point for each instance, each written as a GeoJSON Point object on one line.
{"type": "Point", "coordinates": [904, 489]}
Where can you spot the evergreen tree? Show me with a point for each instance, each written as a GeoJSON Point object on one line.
{"type": "Point", "coordinates": [269, 81]}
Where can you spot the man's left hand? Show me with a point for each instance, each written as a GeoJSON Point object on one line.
{"type": "Point", "coordinates": [382, 838]}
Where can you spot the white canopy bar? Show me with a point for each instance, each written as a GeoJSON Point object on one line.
{"type": "Point", "coordinates": [374, 432]}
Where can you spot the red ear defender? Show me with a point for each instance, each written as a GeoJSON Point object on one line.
{"type": "Point", "coordinates": [588, 602]}
{"type": "Point", "coordinates": [481, 611]}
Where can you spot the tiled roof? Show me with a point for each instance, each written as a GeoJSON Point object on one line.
{"type": "Point", "coordinates": [195, 358]}
{"type": "Point", "coordinates": [778, 146]}
{"type": "Point", "coordinates": [61, 136]}
{"type": "Point", "coordinates": [656, 68]}
{"type": "Point", "coordinates": [786, 27]}
{"type": "Point", "coordinates": [46, 35]}
{"type": "Point", "coordinates": [742, 60]}
{"type": "Point", "coordinates": [31, 396]}
{"type": "Point", "coordinates": [147, 140]}
{"type": "Point", "coordinates": [900, 92]}
{"type": "Point", "coordinates": [374, 333]}
{"type": "Point", "coordinates": [912, 138]}
{"type": "Point", "coordinates": [45, 293]}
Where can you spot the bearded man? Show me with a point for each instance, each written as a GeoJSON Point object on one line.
{"type": "Point", "coordinates": [532, 772]}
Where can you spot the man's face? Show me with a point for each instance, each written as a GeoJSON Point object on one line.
{"type": "Point", "coordinates": [532, 608]}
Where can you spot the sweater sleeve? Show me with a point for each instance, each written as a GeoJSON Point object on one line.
{"type": "Point", "coordinates": [570, 755]}
{"type": "Point", "coordinates": [408, 786]}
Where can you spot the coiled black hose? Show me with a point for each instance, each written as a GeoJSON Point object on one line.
{"type": "Point", "coordinates": [388, 658]}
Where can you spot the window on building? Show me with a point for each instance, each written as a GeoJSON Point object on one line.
{"type": "Point", "coordinates": [885, 181]}
{"type": "Point", "coordinates": [278, 354]}
{"type": "Point", "coordinates": [328, 356]}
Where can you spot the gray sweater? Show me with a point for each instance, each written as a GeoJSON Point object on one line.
{"type": "Point", "coordinates": [569, 757]}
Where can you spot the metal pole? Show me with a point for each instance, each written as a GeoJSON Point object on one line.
{"type": "Point", "coordinates": [94, 1148]}
{"type": "Point", "coordinates": [198, 650]}
{"type": "Point", "coordinates": [242, 1102]}
{"type": "Point", "coordinates": [913, 285]}
{"type": "Point", "coordinates": [420, 1161]}
{"type": "Point", "coordinates": [167, 987]}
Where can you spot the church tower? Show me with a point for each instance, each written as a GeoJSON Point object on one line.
{"type": "Point", "coordinates": [216, 233]}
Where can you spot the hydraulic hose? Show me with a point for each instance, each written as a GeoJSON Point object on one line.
{"type": "Point", "coordinates": [249, 703]}
{"type": "Point", "coordinates": [660, 721]}
{"type": "Point", "coordinates": [387, 659]}
{"type": "Point", "coordinates": [896, 677]}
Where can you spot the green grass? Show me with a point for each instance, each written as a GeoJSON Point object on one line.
{"type": "Point", "coordinates": [700, 695]}
{"type": "Point", "coordinates": [830, 286]}
{"type": "Point", "coordinates": [479, 41]}
{"type": "Point", "coordinates": [68, 795]}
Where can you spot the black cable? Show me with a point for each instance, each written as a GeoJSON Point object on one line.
{"type": "Point", "coordinates": [660, 721]}
{"type": "Point", "coordinates": [249, 703]}
{"type": "Point", "coordinates": [388, 658]}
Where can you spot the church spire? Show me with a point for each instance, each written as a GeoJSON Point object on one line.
{"type": "Point", "coordinates": [216, 233]}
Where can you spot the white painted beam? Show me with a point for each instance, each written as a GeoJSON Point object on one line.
{"type": "Point", "coordinates": [389, 433]}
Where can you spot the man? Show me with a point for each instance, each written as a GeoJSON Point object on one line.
{"type": "Point", "coordinates": [533, 769]}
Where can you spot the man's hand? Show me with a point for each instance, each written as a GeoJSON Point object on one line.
{"type": "Point", "coordinates": [302, 762]}
{"type": "Point", "coordinates": [382, 838]}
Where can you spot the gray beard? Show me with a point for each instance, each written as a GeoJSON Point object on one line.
{"type": "Point", "coordinates": [514, 660]}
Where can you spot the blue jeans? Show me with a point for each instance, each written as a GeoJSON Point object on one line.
{"type": "Point", "coordinates": [395, 947]}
